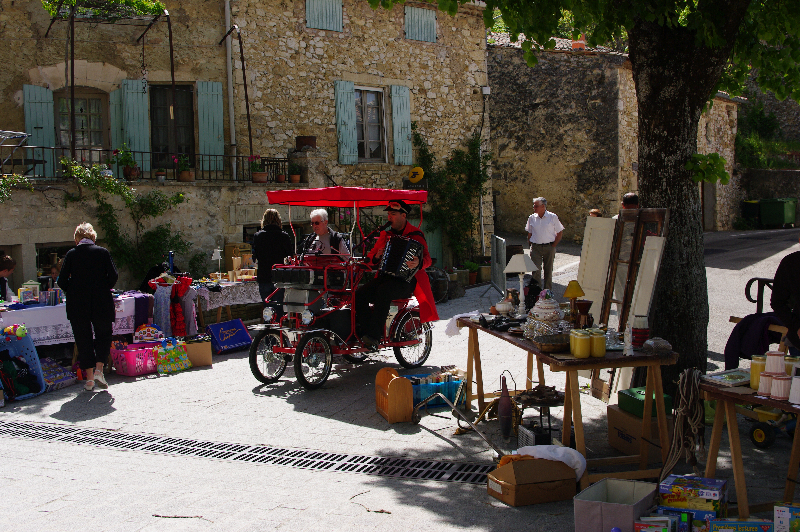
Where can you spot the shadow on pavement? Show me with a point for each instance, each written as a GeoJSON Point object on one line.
{"type": "Point", "coordinates": [86, 406]}
{"type": "Point", "coordinates": [740, 250]}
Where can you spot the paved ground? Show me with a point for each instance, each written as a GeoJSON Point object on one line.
{"type": "Point", "coordinates": [80, 485]}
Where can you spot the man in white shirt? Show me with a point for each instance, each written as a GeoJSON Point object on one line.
{"type": "Point", "coordinates": [544, 233]}
{"type": "Point", "coordinates": [324, 240]}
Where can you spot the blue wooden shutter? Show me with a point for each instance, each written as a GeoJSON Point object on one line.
{"type": "Point", "coordinates": [346, 122]}
{"type": "Point", "coordinates": [420, 24]}
{"type": "Point", "coordinates": [324, 14]}
{"type": "Point", "coordinates": [136, 121]}
{"type": "Point", "coordinates": [115, 123]}
{"type": "Point", "coordinates": [401, 124]}
{"type": "Point", "coordinates": [209, 114]}
{"type": "Point", "coordinates": [40, 125]}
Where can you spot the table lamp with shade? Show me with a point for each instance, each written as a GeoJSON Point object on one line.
{"type": "Point", "coordinates": [521, 264]}
{"type": "Point", "coordinates": [217, 256]}
{"type": "Point", "coordinates": [573, 292]}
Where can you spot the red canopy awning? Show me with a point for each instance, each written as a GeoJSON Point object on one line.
{"type": "Point", "coordinates": [345, 196]}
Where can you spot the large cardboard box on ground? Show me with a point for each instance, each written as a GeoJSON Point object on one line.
{"type": "Point", "coordinates": [625, 433]}
{"type": "Point", "coordinates": [199, 353]}
{"type": "Point", "coordinates": [535, 481]}
{"type": "Point", "coordinates": [612, 502]}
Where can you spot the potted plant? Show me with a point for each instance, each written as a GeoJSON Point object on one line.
{"type": "Point", "coordinates": [485, 271]}
{"type": "Point", "coordinates": [257, 173]}
{"type": "Point", "coordinates": [161, 175]}
{"type": "Point", "coordinates": [185, 173]}
{"type": "Point", "coordinates": [280, 178]}
{"type": "Point", "coordinates": [451, 273]}
{"type": "Point", "coordinates": [473, 268]}
{"type": "Point", "coordinates": [294, 172]}
{"type": "Point", "coordinates": [124, 157]}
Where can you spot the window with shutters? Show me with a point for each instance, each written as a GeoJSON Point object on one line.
{"type": "Point", "coordinates": [163, 137]}
{"type": "Point", "coordinates": [420, 24]}
{"type": "Point", "coordinates": [324, 15]}
{"type": "Point", "coordinates": [91, 122]}
{"type": "Point", "coordinates": [370, 125]}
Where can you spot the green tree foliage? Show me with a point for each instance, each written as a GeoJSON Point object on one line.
{"type": "Point", "coordinates": [10, 182]}
{"type": "Point", "coordinates": [759, 139]}
{"type": "Point", "coordinates": [453, 191]}
{"type": "Point", "coordinates": [106, 9]}
{"type": "Point", "coordinates": [142, 248]}
{"type": "Point", "coordinates": [681, 52]}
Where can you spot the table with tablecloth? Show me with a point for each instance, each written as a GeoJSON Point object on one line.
{"type": "Point", "coordinates": [48, 325]}
{"type": "Point", "coordinates": [240, 293]}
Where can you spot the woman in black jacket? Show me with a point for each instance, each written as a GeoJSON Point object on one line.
{"type": "Point", "coordinates": [270, 246]}
{"type": "Point", "coordinates": [87, 276]}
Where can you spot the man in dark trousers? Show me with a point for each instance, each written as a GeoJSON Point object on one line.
{"type": "Point", "coordinates": [786, 298]}
{"type": "Point", "coordinates": [87, 277]}
{"type": "Point", "coordinates": [385, 288]}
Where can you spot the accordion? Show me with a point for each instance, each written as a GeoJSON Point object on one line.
{"type": "Point", "coordinates": [399, 250]}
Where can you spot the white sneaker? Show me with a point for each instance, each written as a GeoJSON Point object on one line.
{"type": "Point", "coordinates": [100, 380]}
{"type": "Point", "coordinates": [89, 386]}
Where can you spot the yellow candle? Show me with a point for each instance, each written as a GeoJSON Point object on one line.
{"type": "Point", "coordinates": [598, 348]}
{"type": "Point", "coordinates": [582, 346]}
{"type": "Point", "coordinates": [757, 364]}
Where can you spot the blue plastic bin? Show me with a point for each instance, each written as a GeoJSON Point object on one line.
{"type": "Point", "coordinates": [448, 389]}
{"type": "Point", "coordinates": [24, 348]}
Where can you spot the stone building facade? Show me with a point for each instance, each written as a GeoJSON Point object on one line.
{"type": "Point", "coordinates": [566, 129]}
{"type": "Point", "coordinates": [356, 88]}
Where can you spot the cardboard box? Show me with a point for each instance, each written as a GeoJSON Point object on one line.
{"type": "Point", "coordinates": [601, 390]}
{"type": "Point", "coordinates": [535, 481]}
{"type": "Point", "coordinates": [694, 493]}
{"type": "Point", "coordinates": [787, 517]}
{"type": "Point", "coordinates": [625, 433]}
{"type": "Point", "coordinates": [199, 353]}
{"type": "Point", "coordinates": [612, 502]}
{"type": "Point", "coordinates": [229, 336]}
{"type": "Point", "coordinates": [741, 526]}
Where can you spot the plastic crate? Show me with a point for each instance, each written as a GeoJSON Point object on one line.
{"type": "Point", "coordinates": [777, 212]}
{"type": "Point", "coordinates": [448, 389]}
{"type": "Point", "coordinates": [136, 359]}
{"type": "Point", "coordinates": [24, 348]}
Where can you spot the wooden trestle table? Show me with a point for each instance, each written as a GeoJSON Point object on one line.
{"type": "Point", "coordinates": [572, 398]}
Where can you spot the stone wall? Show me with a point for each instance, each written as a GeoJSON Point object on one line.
{"type": "Point", "coordinates": [716, 132]}
{"type": "Point", "coordinates": [787, 111]}
{"type": "Point", "coordinates": [554, 134]}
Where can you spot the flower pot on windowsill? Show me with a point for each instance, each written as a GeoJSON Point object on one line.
{"type": "Point", "coordinates": [294, 178]}
{"type": "Point", "coordinates": [131, 173]}
{"type": "Point", "coordinates": [186, 176]}
{"type": "Point", "coordinates": [260, 177]}
{"type": "Point", "coordinates": [161, 177]}
{"type": "Point", "coordinates": [473, 277]}
{"type": "Point", "coordinates": [280, 179]}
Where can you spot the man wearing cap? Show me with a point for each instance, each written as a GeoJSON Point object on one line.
{"type": "Point", "coordinates": [324, 240]}
{"type": "Point", "coordinates": [544, 233]}
{"type": "Point", "coordinates": [385, 288]}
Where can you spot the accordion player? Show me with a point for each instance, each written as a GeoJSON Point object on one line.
{"type": "Point", "coordinates": [398, 252]}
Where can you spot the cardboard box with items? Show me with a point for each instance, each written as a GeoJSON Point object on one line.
{"type": "Point", "coordinates": [625, 433]}
{"type": "Point", "coordinates": [532, 481]}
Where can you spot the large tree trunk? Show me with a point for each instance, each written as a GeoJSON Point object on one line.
{"type": "Point", "coordinates": [674, 80]}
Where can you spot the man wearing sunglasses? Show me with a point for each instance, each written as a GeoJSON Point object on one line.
{"type": "Point", "coordinates": [324, 240]}
{"type": "Point", "coordinates": [385, 288]}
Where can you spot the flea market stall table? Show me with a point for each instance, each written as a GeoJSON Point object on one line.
{"type": "Point", "coordinates": [727, 399]}
{"type": "Point", "coordinates": [48, 325]}
{"type": "Point", "coordinates": [238, 293]}
{"type": "Point", "coordinates": [572, 398]}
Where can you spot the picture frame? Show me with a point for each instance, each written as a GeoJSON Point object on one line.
{"type": "Point", "coordinates": [731, 377]}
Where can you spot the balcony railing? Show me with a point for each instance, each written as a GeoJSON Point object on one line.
{"type": "Point", "coordinates": [43, 163]}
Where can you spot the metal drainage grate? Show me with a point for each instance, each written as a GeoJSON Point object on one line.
{"type": "Point", "coordinates": [315, 460]}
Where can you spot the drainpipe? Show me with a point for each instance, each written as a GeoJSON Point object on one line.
{"type": "Point", "coordinates": [229, 67]}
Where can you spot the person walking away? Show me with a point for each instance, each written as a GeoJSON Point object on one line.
{"type": "Point", "coordinates": [87, 276]}
{"type": "Point", "coordinates": [385, 288]}
{"type": "Point", "coordinates": [785, 299]}
{"type": "Point", "coordinates": [324, 240]}
{"type": "Point", "coordinates": [271, 246]}
{"type": "Point", "coordinates": [544, 233]}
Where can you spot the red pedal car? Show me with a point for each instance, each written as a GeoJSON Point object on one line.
{"type": "Point", "coordinates": [319, 311]}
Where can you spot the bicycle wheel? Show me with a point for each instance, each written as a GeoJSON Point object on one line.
{"type": "Point", "coordinates": [266, 365]}
{"type": "Point", "coordinates": [439, 283]}
{"type": "Point", "coordinates": [313, 360]}
{"type": "Point", "coordinates": [410, 328]}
